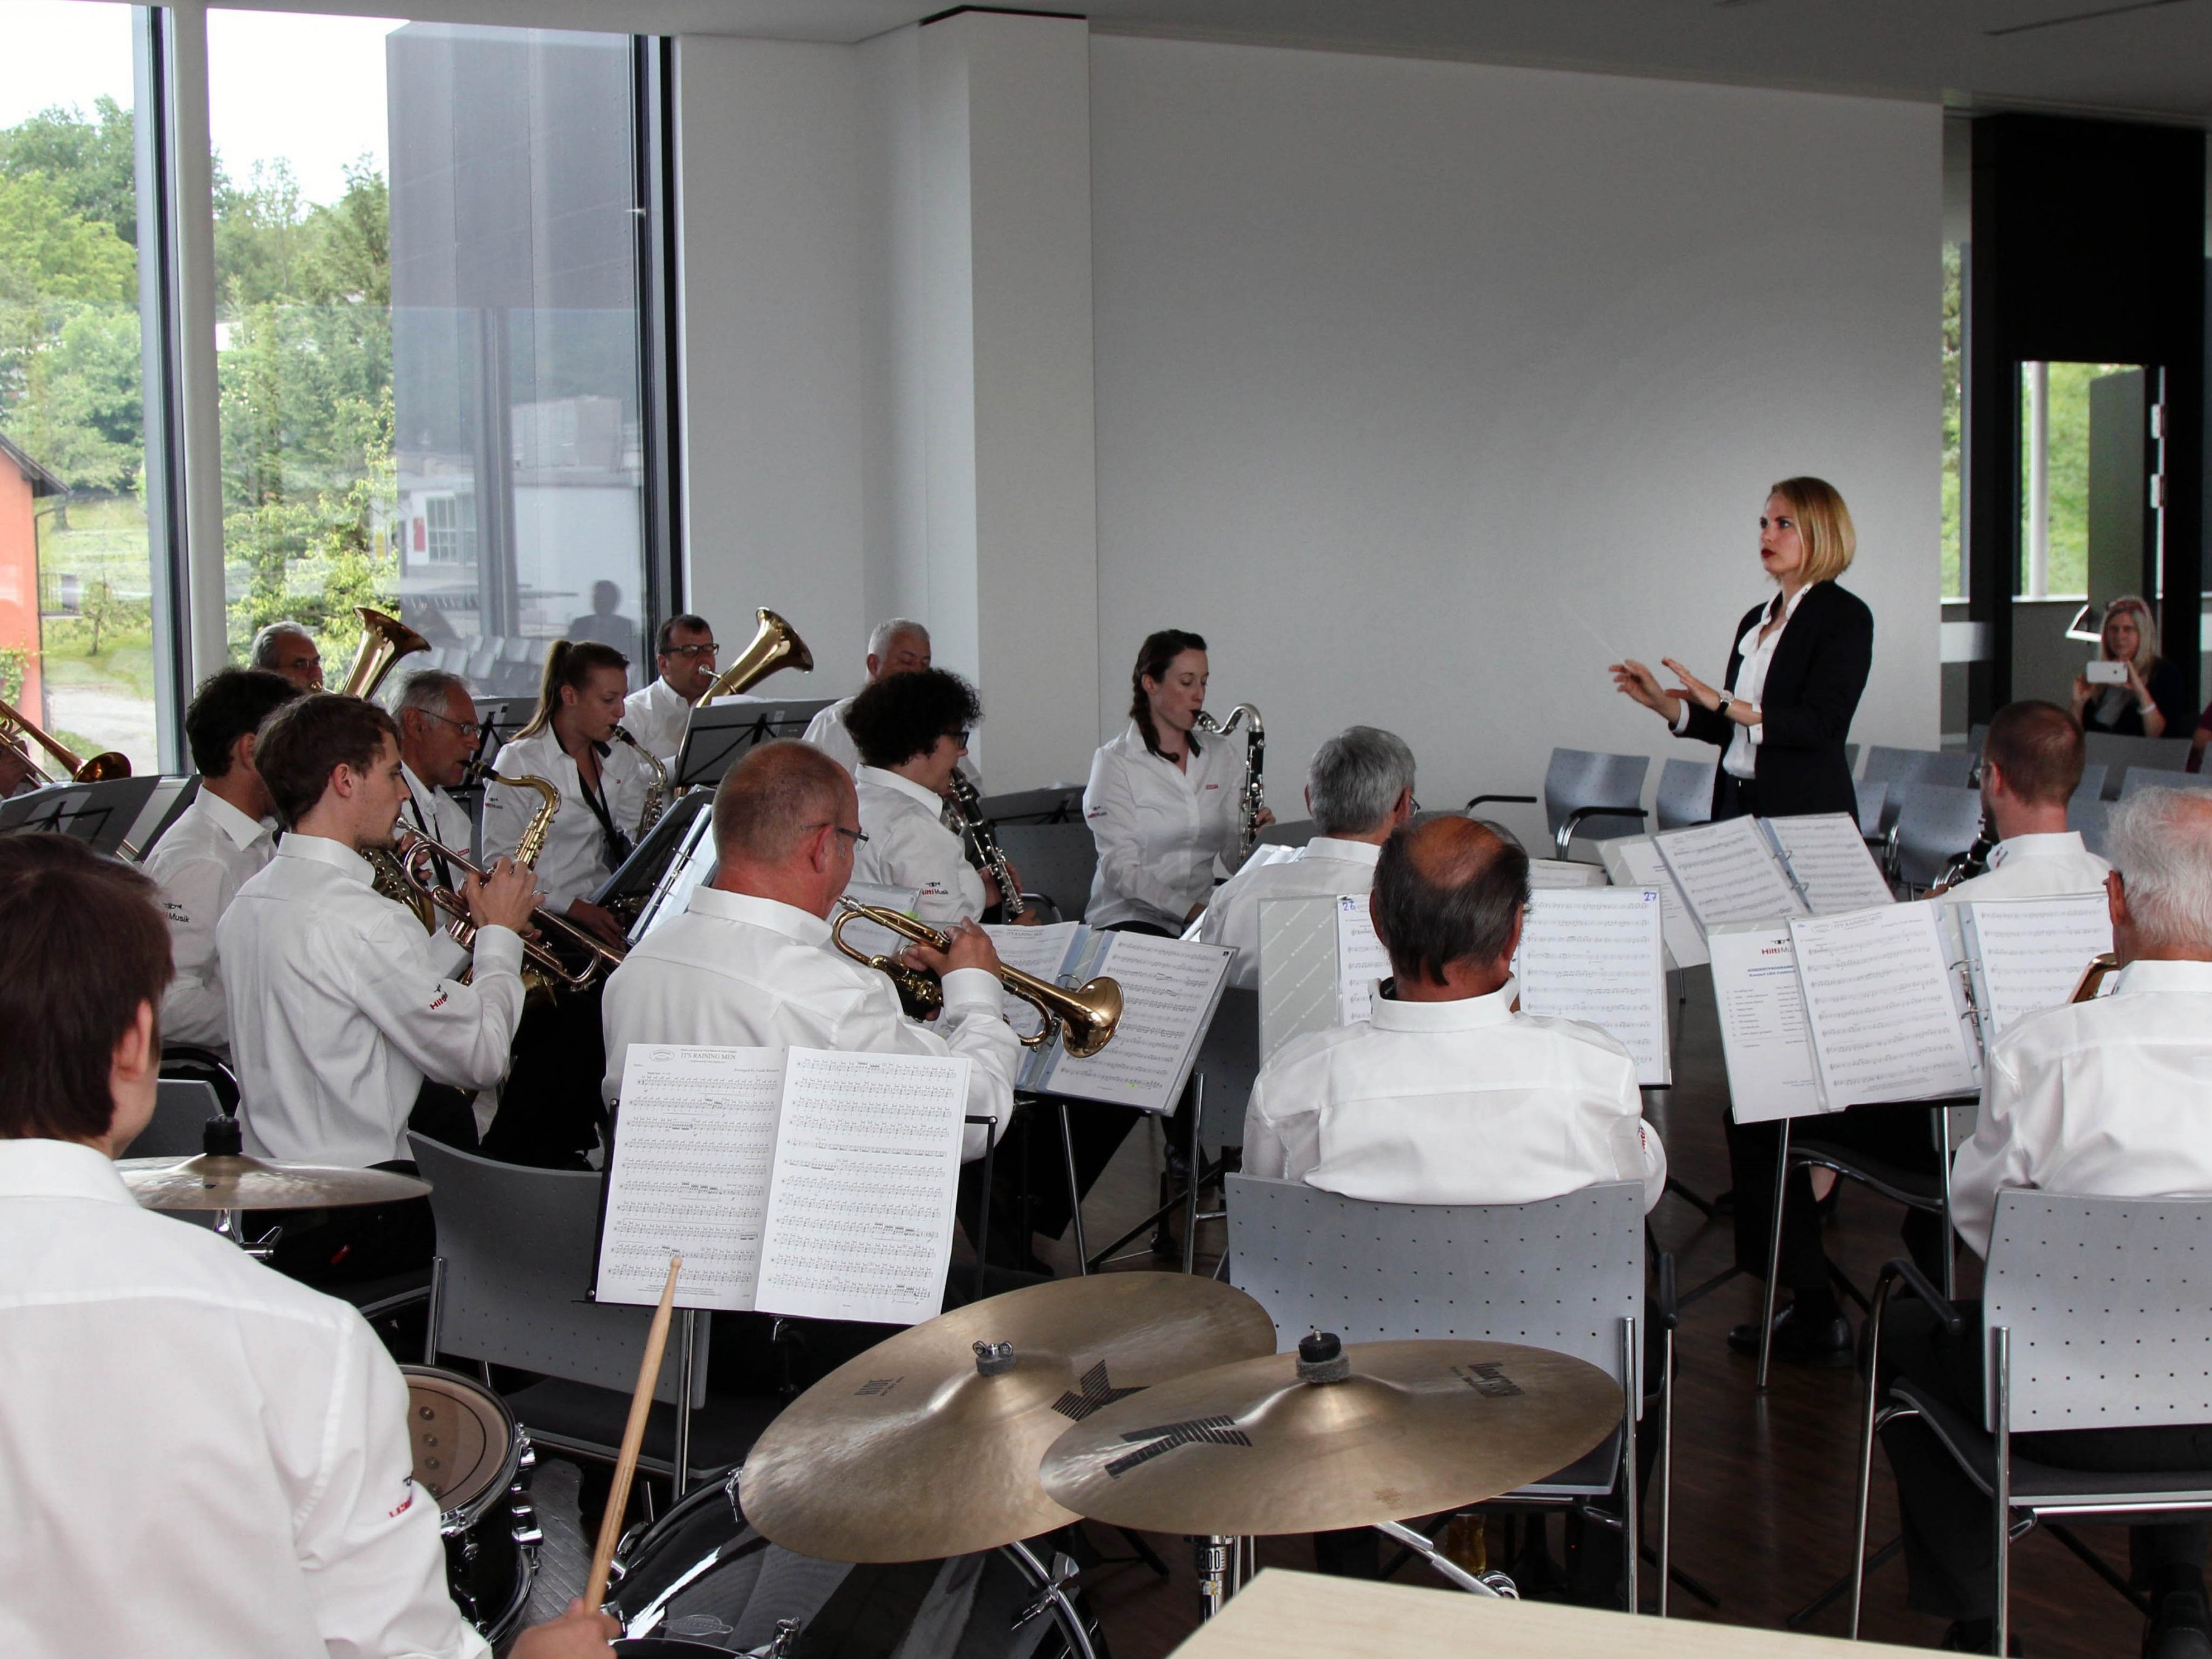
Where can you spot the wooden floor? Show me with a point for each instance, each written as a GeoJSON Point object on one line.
{"type": "Point", "coordinates": [1764, 1484]}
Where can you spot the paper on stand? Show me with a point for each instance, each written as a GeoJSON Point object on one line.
{"type": "Point", "coordinates": [1170, 989]}
{"type": "Point", "coordinates": [1827, 858]}
{"type": "Point", "coordinates": [1883, 1006]}
{"type": "Point", "coordinates": [1728, 873]}
{"type": "Point", "coordinates": [2029, 954]}
{"type": "Point", "coordinates": [1595, 955]}
{"type": "Point", "coordinates": [1545, 874]}
{"type": "Point", "coordinates": [1763, 1031]}
{"type": "Point", "coordinates": [1360, 959]}
{"type": "Point", "coordinates": [1634, 861]}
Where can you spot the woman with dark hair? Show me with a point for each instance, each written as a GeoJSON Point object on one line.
{"type": "Point", "coordinates": [1162, 803]}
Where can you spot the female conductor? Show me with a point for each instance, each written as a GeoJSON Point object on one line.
{"type": "Point", "coordinates": [1162, 803]}
{"type": "Point", "coordinates": [1795, 676]}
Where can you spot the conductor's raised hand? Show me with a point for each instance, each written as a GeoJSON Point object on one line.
{"type": "Point", "coordinates": [1638, 684]}
{"type": "Point", "coordinates": [578, 1634]}
{"type": "Point", "coordinates": [969, 947]}
{"type": "Point", "coordinates": [504, 897]}
{"type": "Point", "coordinates": [1691, 687]}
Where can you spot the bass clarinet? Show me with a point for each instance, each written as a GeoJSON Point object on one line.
{"type": "Point", "coordinates": [1251, 797]}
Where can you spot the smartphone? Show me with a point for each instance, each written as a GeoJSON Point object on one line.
{"type": "Point", "coordinates": [2107, 673]}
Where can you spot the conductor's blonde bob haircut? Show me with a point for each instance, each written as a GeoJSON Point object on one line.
{"type": "Point", "coordinates": [1824, 523]}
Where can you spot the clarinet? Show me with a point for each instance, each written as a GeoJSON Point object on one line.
{"type": "Point", "coordinates": [968, 807]}
{"type": "Point", "coordinates": [1974, 861]}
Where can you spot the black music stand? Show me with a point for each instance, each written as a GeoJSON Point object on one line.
{"type": "Point", "coordinates": [654, 856]}
{"type": "Point", "coordinates": [172, 794]}
{"type": "Point", "coordinates": [720, 732]}
{"type": "Point", "coordinates": [100, 813]}
{"type": "Point", "coordinates": [1057, 803]}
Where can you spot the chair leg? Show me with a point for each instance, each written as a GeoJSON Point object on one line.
{"type": "Point", "coordinates": [1773, 1256]}
{"type": "Point", "coordinates": [1632, 1531]}
{"type": "Point", "coordinates": [2001, 1483]}
{"type": "Point", "coordinates": [1666, 1468]}
{"type": "Point", "coordinates": [1195, 1178]}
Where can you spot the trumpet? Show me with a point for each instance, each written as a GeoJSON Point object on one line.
{"type": "Point", "coordinates": [1251, 797]}
{"type": "Point", "coordinates": [416, 855]}
{"type": "Point", "coordinates": [1083, 1018]}
{"type": "Point", "coordinates": [100, 769]}
{"type": "Point", "coordinates": [2093, 977]}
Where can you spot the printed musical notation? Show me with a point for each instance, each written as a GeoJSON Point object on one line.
{"type": "Point", "coordinates": [1764, 1035]}
{"type": "Point", "coordinates": [1728, 873]}
{"type": "Point", "coordinates": [2029, 954]}
{"type": "Point", "coordinates": [1634, 861]}
{"type": "Point", "coordinates": [1594, 954]}
{"type": "Point", "coordinates": [1360, 958]}
{"type": "Point", "coordinates": [1170, 989]}
{"type": "Point", "coordinates": [1879, 1000]}
{"type": "Point", "coordinates": [1545, 874]}
{"type": "Point", "coordinates": [1827, 858]}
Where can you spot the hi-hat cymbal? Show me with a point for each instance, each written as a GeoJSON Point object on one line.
{"type": "Point", "coordinates": [1415, 1427]}
{"type": "Point", "coordinates": [227, 1182]}
{"type": "Point", "coordinates": [923, 1447]}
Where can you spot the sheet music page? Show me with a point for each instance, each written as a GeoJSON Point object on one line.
{"type": "Point", "coordinates": [1299, 973]}
{"type": "Point", "coordinates": [1728, 872]}
{"type": "Point", "coordinates": [1881, 1007]}
{"type": "Point", "coordinates": [1828, 856]}
{"type": "Point", "coordinates": [1595, 955]}
{"type": "Point", "coordinates": [1763, 1031]}
{"type": "Point", "coordinates": [1169, 991]}
{"type": "Point", "coordinates": [694, 1139]}
{"type": "Point", "coordinates": [2029, 954]}
{"type": "Point", "coordinates": [1545, 874]}
{"type": "Point", "coordinates": [1360, 958]}
{"type": "Point", "coordinates": [1634, 861]}
{"type": "Point", "coordinates": [860, 1209]}
{"type": "Point", "coordinates": [1041, 951]}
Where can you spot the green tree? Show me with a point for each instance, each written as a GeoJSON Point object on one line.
{"type": "Point", "coordinates": [93, 164]}
{"type": "Point", "coordinates": [48, 252]}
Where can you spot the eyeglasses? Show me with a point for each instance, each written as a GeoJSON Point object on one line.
{"type": "Point", "coordinates": [856, 836]}
{"type": "Point", "coordinates": [470, 729]}
{"type": "Point", "coordinates": [693, 650]}
{"type": "Point", "coordinates": [960, 738]}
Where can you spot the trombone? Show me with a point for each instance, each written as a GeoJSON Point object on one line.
{"type": "Point", "coordinates": [414, 854]}
{"type": "Point", "coordinates": [100, 769]}
{"type": "Point", "coordinates": [1085, 1018]}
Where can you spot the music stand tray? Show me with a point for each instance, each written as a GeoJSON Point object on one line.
{"type": "Point", "coordinates": [1058, 803]}
{"type": "Point", "coordinates": [721, 731]}
{"type": "Point", "coordinates": [100, 813]}
{"type": "Point", "coordinates": [641, 872]}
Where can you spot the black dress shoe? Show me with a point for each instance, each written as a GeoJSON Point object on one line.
{"type": "Point", "coordinates": [2180, 1629]}
{"type": "Point", "coordinates": [1801, 1342]}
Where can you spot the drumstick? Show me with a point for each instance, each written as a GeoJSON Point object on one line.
{"type": "Point", "coordinates": [641, 1406]}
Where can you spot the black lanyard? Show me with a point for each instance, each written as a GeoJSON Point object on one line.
{"type": "Point", "coordinates": [616, 845]}
{"type": "Point", "coordinates": [445, 874]}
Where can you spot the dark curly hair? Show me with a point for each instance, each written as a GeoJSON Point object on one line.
{"type": "Point", "coordinates": [903, 715]}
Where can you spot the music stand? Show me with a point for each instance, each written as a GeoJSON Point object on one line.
{"type": "Point", "coordinates": [721, 731]}
{"type": "Point", "coordinates": [172, 794]}
{"type": "Point", "coordinates": [641, 872]}
{"type": "Point", "coordinates": [1057, 803]}
{"type": "Point", "coordinates": [99, 813]}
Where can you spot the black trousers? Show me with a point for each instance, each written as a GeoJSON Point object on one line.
{"type": "Point", "coordinates": [1896, 1134]}
{"type": "Point", "coordinates": [550, 1111]}
{"type": "Point", "coordinates": [1949, 1524]}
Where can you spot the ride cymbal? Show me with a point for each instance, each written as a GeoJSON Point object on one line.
{"type": "Point", "coordinates": [227, 1182]}
{"type": "Point", "coordinates": [1405, 1429]}
{"type": "Point", "coordinates": [928, 1445]}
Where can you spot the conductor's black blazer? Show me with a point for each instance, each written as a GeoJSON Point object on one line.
{"type": "Point", "coordinates": [1812, 688]}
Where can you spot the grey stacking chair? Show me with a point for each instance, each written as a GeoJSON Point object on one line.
{"type": "Point", "coordinates": [2120, 755]}
{"type": "Point", "coordinates": [1564, 1273]}
{"type": "Point", "coordinates": [2140, 778]}
{"type": "Point", "coordinates": [1297, 833]}
{"type": "Point", "coordinates": [1589, 794]}
{"type": "Point", "coordinates": [1056, 862]}
{"type": "Point", "coordinates": [1934, 823]}
{"type": "Point", "coordinates": [1900, 767]}
{"type": "Point", "coordinates": [1685, 793]}
{"type": "Point", "coordinates": [2097, 1313]}
{"type": "Point", "coordinates": [2092, 787]}
{"type": "Point", "coordinates": [515, 1265]}
{"type": "Point", "coordinates": [181, 1109]}
{"type": "Point", "coordinates": [2092, 819]}
{"type": "Point", "coordinates": [1874, 800]}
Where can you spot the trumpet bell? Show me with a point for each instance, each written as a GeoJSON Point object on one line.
{"type": "Point", "coordinates": [1088, 1015]}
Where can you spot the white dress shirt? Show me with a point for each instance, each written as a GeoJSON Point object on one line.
{"type": "Point", "coordinates": [1325, 866]}
{"type": "Point", "coordinates": [1741, 759]}
{"type": "Point", "coordinates": [574, 861]}
{"type": "Point", "coordinates": [826, 733]}
{"type": "Point", "coordinates": [340, 1009]}
{"type": "Point", "coordinates": [1453, 1102]}
{"type": "Point", "coordinates": [1159, 828]}
{"type": "Point", "coordinates": [440, 817]}
{"type": "Point", "coordinates": [207, 855]}
{"type": "Point", "coordinates": [751, 973]}
{"type": "Point", "coordinates": [657, 716]}
{"type": "Point", "coordinates": [203, 1459]}
{"type": "Point", "coordinates": [2035, 866]}
{"type": "Point", "coordinates": [2104, 1099]}
{"type": "Point", "coordinates": [909, 846]}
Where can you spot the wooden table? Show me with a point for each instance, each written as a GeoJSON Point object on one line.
{"type": "Point", "coordinates": [1298, 1615]}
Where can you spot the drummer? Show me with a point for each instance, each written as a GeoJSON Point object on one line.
{"type": "Point", "coordinates": [204, 1458]}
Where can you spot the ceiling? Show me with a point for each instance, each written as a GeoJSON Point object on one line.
{"type": "Point", "coordinates": [2149, 58]}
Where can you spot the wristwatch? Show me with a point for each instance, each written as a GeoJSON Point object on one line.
{"type": "Point", "coordinates": [1726, 701]}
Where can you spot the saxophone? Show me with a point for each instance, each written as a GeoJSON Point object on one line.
{"type": "Point", "coordinates": [1251, 798]}
{"type": "Point", "coordinates": [968, 807]}
{"type": "Point", "coordinates": [656, 789]}
{"type": "Point", "coordinates": [388, 874]}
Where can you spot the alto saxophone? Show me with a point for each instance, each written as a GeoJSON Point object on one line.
{"type": "Point", "coordinates": [388, 872]}
{"type": "Point", "coordinates": [968, 807]}
{"type": "Point", "coordinates": [1251, 796]}
{"type": "Point", "coordinates": [656, 790]}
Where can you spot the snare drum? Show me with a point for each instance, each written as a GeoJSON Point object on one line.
{"type": "Point", "coordinates": [473, 1458]}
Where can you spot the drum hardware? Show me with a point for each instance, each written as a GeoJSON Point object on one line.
{"type": "Point", "coordinates": [224, 1180]}
{"type": "Point", "coordinates": [472, 1457]}
{"type": "Point", "coordinates": [1251, 794]}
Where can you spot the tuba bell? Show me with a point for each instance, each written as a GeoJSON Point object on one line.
{"type": "Point", "coordinates": [384, 640]}
{"type": "Point", "coordinates": [100, 769]}
{"type": "Point", "coordinates": [775, 645]}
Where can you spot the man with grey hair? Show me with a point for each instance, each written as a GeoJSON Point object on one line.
{"type": "Point", "coordinates": [438, 736]}
{"type": "Point", "coordinates": [898, 645]}
{"type": "Point", "coordinates": [286, 647]}
{"type": "Point", "coordinates": [2105, 1098]}
{"type": "Point", "coordinates": [1359, 789]}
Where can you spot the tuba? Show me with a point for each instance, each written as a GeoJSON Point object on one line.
{"type": "Point", "coordinates": [1085, 1018]}
{"type": "Point", "coordinates": [776, 644]}
{"type": "Point", "coordinates": [100, 769]}
{"type": "Point", "coordinates": [968, 807]}
{"type": "Point", "coordinates": [384, 640]}
{"type": "Point", "coordinates": [1251, 797]}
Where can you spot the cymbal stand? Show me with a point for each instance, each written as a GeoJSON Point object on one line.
{"type": "Point", "coordinates": [1052, 1592]}
{"type": "Point", "coordinates": [1489, 1583]}
{"type": "Point", "coordinates": [1215, 1555]}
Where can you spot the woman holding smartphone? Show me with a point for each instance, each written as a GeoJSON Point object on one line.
{"type": "Point", "coordinates": [2130, 690]}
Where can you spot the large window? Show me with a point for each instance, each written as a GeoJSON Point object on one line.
{"type": "Point", "coordinates": [428, 336]}
{"type": "Point", "coordinates": [75, 576]}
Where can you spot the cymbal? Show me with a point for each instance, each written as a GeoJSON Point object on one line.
{"type": "Point", "coordinates": [227, 1182]}
{"type": "Point", "coordinates": [1414, 1428]}
{"type": "Point", "coordinates": [923, 1447]}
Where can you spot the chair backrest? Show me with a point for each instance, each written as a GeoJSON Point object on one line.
{"type": "Point", "coordinates": [1230, 1060]}
{"type": "Point", "coordinates": [1936, 822]}
{"type": "Point", "coordinates": [2109, 1302]}
{"type": "Point", "coordinates": [1560, 1273]}
{"type": "Point", "coordinates": [519, 1249]}
{"type": "Point", "coordinates": [1578, 777]}
{"type": "Point", "coordinates": [1898, 767]}
{"type": "Point", "coordinates": [1055, 860]}
{"type": "Point", "coordinates": [1873, 801]}
{"type": "Point", "coordinates": [2119, 754]}
{"type": "Point", "coordinates": [1297, 833]}
{"type": "Point", "coordinates": [2092, 819]}
{"type": "Point", "coordinates": [2140, 778]}
{"type": "Point", "coordinates": [2092, 787]}
{"type": "Point", "coordinates": [181, 1109]}
{"type": "Point", "coordinates": [1685, 793]}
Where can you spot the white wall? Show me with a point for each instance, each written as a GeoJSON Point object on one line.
{"type": "Point", "coordinates": [1423, 388]}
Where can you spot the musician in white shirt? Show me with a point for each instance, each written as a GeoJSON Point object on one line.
{"type": "Point", "coordinates": [216, 844]}
{"type": "Point", "coordinates": [1359, 789]}
{"type": "Point", "coordinates": [205, 1458]}
{"type": "Point", "coordinates": [569, 742]}
{"type": "Point", "coordinates": [749, 964]}
{"type": "Point", "coordinates": [438, 736]}
{"type": "Point", "coordinates": [341, 1007]}
{"type": "Point", "coordinates": [2104, 1098]}
{"type": "Point", "coordinates": [1448, 1094]}
{"type": "Point", "coordinates": [288, 648]}
{"type": "Point", "coordinates": [1162, 803]}
{"type": "Point", "coordinates": [683, 651]}
{"type": "Point", "coordinates": [2031, 760]}
{"type": "Point", "coordinates": [898, 645]}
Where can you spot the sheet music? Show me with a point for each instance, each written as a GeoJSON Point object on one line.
{"type": "Point", "coordinates": [2029, 954]}
{"type": "Point", "coordinates": [694, 1139]}
{"type": "Point", "coordinates": [1879, 1001]}
{"type": "Point", "coordinates": [1546, 874]}
{"type": "Point", "coordinates": [1169, 992]}
{"type": "Point", "coordinates": [864, 935]}
{"type": "Point", "coordinates": [1728, 873]}
{"type": "Point", "coordinates": [1299, 974]}
{"type": "Point", "coordinates": [1763, 1031]}
{"type": "Point", "coordinates": [1827, 858]}
{"type": "Point", "coordinates": [1041, 951]}
{"type": "Point", "coordinates": [1595, 955]}
{"type": "Point", "coordinates": [860, 1209]}
{"type": "Point", "coordinates": [1634, 861]}
{"type": "Point", "coordinates": [1360, 959]}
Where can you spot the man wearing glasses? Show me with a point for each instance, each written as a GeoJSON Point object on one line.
{"type": "Point", "coordinates": [439, 735]}
{"type": "Point", "coordinates": [684, 650]}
